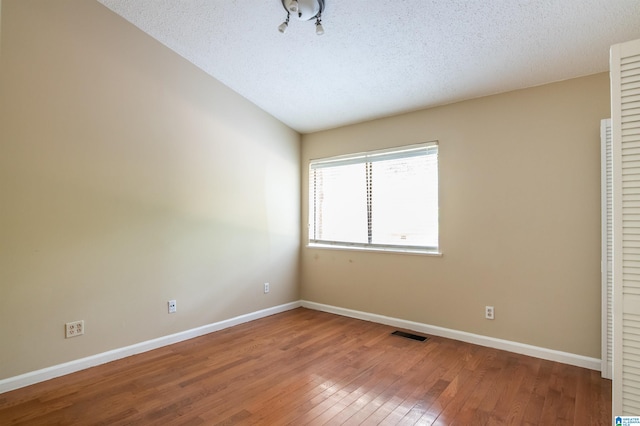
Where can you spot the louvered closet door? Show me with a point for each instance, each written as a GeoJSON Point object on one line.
{"type": "Point", "coordinates": [625, 113]}
{"type": "Point", "coordinates": [607, 249]}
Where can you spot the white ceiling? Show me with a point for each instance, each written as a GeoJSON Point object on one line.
{"type": "Point", "coordinates": [384, 57]}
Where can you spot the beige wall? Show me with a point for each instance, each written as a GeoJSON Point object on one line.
{"type": "Point", "coordinates": [129, 177]}
{"type": "Point", "coordinates": [520, 219]}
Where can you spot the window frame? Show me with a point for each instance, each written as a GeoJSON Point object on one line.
{"type": "Point", "coordinates": [360, 157]}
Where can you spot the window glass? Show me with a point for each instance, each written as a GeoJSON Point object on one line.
{"type": "Point", "coordinates": [382, 199]}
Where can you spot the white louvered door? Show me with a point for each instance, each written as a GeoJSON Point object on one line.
{"type": "Point", "coordinates": [625, 114]}
{"type": "Point", "coordinates": [607, 249]}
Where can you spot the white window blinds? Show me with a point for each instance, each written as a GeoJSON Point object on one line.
{"type": "Point", "coordinates": [382, 199]}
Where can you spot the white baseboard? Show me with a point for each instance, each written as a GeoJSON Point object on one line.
{"type": "Point", "coordinates": [506, 345]}
{"type": "Point", "coordinates": [38, 376]}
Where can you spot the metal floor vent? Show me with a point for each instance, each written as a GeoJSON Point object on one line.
{"type": "Point", "coordinates": [409, 335]}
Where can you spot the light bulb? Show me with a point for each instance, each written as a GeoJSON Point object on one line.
{"type": "Point", "coordinates": [293, 7]}
{"type": "Point", "coordinates": [319, 29]}
{"type": "Point", "coordinates": [283, 27]}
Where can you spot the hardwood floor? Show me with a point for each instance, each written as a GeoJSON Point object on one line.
{"type": "Point", "coordinates": [308, 367]}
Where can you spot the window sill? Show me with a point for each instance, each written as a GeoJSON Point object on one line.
{"type": "Point", "coordinates": [420, 252]}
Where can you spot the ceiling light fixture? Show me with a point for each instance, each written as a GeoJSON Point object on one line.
{"type": "Point", "coordinates": [303, 10]}
{"type": "Point", "coordinates": [283, 27]}
{"type": "Point", "coordinates": [319, 29]}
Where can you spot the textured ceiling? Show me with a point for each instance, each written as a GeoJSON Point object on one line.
{"type": "Point", "coordinates": [384, 57]}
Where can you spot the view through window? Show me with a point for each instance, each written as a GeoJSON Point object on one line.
{"type": "Point", "coordinates": [381, 200]}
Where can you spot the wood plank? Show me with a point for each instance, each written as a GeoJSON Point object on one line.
{"type": "Point", "coordinates": [308, 367]}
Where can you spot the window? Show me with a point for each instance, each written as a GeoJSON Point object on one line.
{"type": "Point", "coordinates": [384, 200]}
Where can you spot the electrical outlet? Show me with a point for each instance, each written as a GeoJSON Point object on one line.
{"type": "Point", "coordinates": [489, 313]}
{"type": "Point", "coordinates": [73, 329]}
{"type": "Point", "coordinates": [172, 306]}
{"type": "Point", "coordinates": [266, 288]}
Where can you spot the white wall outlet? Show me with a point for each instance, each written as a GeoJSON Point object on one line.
{"type": "Point", "coordinates": [266, 288]}
{"type": "Point", "coordinates": [73, 329]}
{"type": "Point", "coordinates": [172, 306]}
{"type": "Point", "coordinates": [489, 313]}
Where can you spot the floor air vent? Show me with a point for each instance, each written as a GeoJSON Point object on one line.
{"type": "Point", "coordinates": [409, 336]}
